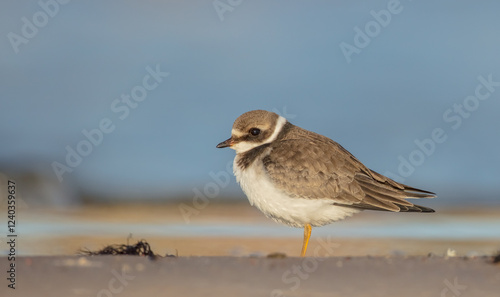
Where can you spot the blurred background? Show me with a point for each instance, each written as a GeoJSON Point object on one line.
{"type": "Point", "coordinates": [125, 101]}
{"type": "Point", "coordinates": [224, 60]}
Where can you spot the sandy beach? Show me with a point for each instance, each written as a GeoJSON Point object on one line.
{"type": "Point", "coordinates": [248, 276]}
{"type": "Point", "coordinates": [231, 249]}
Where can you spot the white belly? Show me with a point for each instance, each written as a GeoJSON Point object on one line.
{"type": "Point", "coordinates": [275, 204]}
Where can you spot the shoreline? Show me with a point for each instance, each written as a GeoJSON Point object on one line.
{"type": "Point", "coordinates": [238, 229]}
{"type": "Point", "coordinates": [262, 246]}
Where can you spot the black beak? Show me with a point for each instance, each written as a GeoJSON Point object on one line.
{"type": "Point", "coordinates": [225, 143]}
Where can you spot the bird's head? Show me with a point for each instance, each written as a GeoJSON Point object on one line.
{"type": "Point", "coordinates": [252, 129]}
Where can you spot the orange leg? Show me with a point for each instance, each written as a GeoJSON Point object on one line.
{"type": "Point", "coordinates": [307, 235]}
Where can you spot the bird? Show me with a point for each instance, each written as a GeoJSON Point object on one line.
{"type": "Point", "coordinates": [303, 179]}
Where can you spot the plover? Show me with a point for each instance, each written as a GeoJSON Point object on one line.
{"type": "Point", "coordinates": [304, 179]}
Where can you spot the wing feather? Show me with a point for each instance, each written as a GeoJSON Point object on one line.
{"type": "Point", "coordinates": [312, 166]}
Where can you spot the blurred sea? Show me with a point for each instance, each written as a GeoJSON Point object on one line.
{"type": "Point", "coordinates": [125, 101]}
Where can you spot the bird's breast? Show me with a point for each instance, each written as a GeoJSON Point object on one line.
{"type": "Point", "coordinates": [278, 205]}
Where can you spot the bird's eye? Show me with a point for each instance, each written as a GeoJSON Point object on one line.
{"type": "Point", "coordinates": [255, 131]}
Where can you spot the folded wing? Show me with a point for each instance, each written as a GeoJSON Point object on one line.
{"type": "Point", "coordinates": [322, 169]}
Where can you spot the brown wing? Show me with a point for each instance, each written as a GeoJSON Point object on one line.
{"type": "Point", "coordinates": [315, 167]}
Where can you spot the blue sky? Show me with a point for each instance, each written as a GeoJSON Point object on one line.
{"type": "Point", "coordinates": [395, 90]}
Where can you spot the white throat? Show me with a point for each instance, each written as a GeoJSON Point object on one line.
{"type": "Point", "coordinates": [246, 146]}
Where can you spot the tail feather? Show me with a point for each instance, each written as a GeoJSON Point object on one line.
{"type": "Point", "coordinates": [382, 193]}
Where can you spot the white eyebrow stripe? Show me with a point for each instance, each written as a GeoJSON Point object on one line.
{"type": "Point", "coordinates": [237, 133]}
